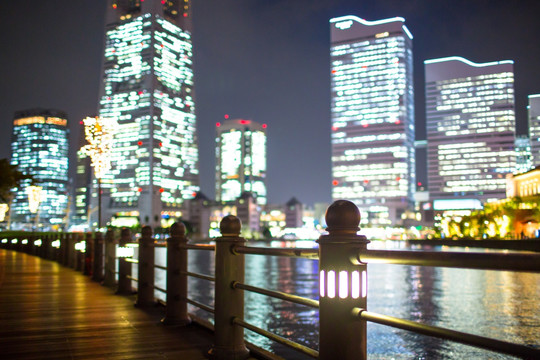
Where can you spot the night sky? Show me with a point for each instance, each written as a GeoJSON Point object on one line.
{"type": "Point", "coordinates": [264, 60]}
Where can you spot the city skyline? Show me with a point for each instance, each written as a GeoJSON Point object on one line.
{"type": "Point", "coordinates": [270, 64]}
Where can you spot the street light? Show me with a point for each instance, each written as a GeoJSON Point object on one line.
{"type": "Point", "coordinates": [99, 133]}
{"type": "Point", "coordinates": [34, 199]}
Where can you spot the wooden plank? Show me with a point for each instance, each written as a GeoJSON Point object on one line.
{"type": "Point", "coordinates": [51, 312]}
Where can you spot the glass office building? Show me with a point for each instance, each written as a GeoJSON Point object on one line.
{"type": "Point", "coordinates": [39, 148]}
{"type": "Point", "coordinates": [372, 109]}
{"type": "Point", "coordinates": [470, 128]}
{"type": "Point", "coordinates": [148, 89]}
{"type": "Point", "coordinates": [534, 128]}
{"type": "Point", "coordinates": [240, 160]}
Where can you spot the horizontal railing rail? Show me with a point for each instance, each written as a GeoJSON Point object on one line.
{"type": "Point", "coordinates": [306, 253]}
{"type": "Point", "coordinates": [270, 335]}
{"type": "Point", "coordinates": [529, 262]}
{"type": "Point", "coordinates": [447, 334]}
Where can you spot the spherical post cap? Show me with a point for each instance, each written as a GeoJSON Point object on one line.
{"type": "Point", "coordinates": [178, 229]}
{"type": "Point", "coordinates": [342, 215]}
{"type": "Point", "coordinates": [230, 225]}
{"type": "Point", "coordinates": [146, 231]}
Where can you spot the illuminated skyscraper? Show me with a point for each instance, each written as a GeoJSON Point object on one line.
{"type": "Point", "coordinates": [470, 128]}
{"type": "Point", "coordinates": [534, 127]}
{"type": "Point", "coordinates": [372, 107]}
{"type": "Point", "coordinates": [148, 89]}
{"type": "Point", "coordinates": [523, 154]}
{"type": "Point", "coordinates": [240, 160]}
{"type": "Point", "coordinates": [39, 148]}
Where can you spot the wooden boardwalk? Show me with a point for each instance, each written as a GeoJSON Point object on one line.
{"type": "Point", "coordinates": [48, 311]}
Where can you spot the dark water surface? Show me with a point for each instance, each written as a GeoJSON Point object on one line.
{"type": "Point", "coordinates": [498, 304]}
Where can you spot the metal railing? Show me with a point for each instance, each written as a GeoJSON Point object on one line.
{"type": "Point", "coordinates": [343, 257]}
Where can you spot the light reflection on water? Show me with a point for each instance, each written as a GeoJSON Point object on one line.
{"type": "Point", "coordinates": [498, 304]}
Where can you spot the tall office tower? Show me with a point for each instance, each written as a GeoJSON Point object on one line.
{"type": "Point", "coordinates": [470, 128]}
{"type": "Point", "coordinates": [534, 128]}
{"type": "Point", "coordinates": [372, 108]}
{"type": "Point", "coordinates": [523, 154]}
{"type": "Point", "coordinates": [39, 148]}
{"type": "Point", "coordinates": [147, 88]}
{"type": "Point", "coordinates": [240, 160]}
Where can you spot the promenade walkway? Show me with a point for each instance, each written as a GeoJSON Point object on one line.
{"type": "Point", "coordinates": [48, 311]}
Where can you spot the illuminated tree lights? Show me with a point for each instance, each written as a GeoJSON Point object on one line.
{"type": "Point", "coordinates": [3, 211]}
{"type": "Point", "coordinates": [34, 198]}
{"type": "Point", "coordinates": [99, 133]}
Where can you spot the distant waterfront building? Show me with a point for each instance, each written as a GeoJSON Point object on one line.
{"type": "Point", "coordinates": [148, 89]}
{"type": "Point", "coordinates": [470, 128]}
{"type": "Point", "coordinates": [240, 160]}
{"type": "Point", "coordinates": [294, 213]}
{"type": "Point", "coordinates": [372, 107]}
{"type": "Point", "coordinates": [534, 127]}
{"type": "Point", "coordinates": [523, 154]}
{"type": "Point", "coordinates": [39, 148]}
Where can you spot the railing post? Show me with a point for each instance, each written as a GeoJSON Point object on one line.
{"type": "Point", "coordinates": [145, 290]}
{"type": "Point", "coordinates": [124, 267]}
{"type": "Point", "coordinates": [72, 253]}
{"type": "Point", "coordinates": [89, 246]}
{"type": "Point", "coordinates": [229, 302]}
{"type": "Point", "coordinates": [97, 270]}
{"type": "Point", "coordinates": [79, 255]}
{"type": "Point", "coordinates": [176, 311]}
{"type": "Point", "coordinates": [110, 259]}
{"type": "Point", "coordinates": [342, 284]}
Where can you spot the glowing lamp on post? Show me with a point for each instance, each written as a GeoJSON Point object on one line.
{"type": "Point", "coordinates": [342, 284]}
{"type": "Point", "coordinates": [99, 133]}
{"type": "Point", "coordinates": [3, 211]}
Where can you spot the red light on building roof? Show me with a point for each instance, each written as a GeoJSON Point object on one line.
{"type": "Point", "coordinates": [398, 178]}
{"type": "Point", "coordinates": [185, 14]}
{"type": "Point", "coordinates": [114, 6]}
{"type": "Point", "coordinates": [365, 125]}
{"type": "Point", "coordinates": [419, 183]}
{"type": "Point", "coordinates": [163, 1]}
{"type": "Point", "coordinates": [226, 116]}
{"type": "Point", "coordinates": [335, 182]}
{"type": "Point", "coordinates": [334, 128]}
{"type": "Point", "coordinates": [194, 194]}
{"type": "Point", "coordinates": [398, 122]}
{"type": "Point", "coordinates": [334, 71]}
{"type": "Point", "coordinates": [161, 190]}
{"type": "Point", "coordinates": [218, 124]}
{"type": "Point", "coordinates": [139, 189]}
{"type": "Point", "coordinates": [160, 144]}
{"type": "Point", "coordinates": [366, 181]}
{"type": "Point", "coordinates": [140, 92]}
{"type": "Point", "coordinates": [264, 126]}
{"type": "Point", "coordinates": [139, 143]}
{"type": "Point", "coordinates": [244, 122]}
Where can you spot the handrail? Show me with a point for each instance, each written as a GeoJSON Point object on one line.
{"type": "Point", "coordinates": [447, 334]}
{"type": "Point", "coordinates": [294, 345]}
{"type": "Point", "coordinates": [209, 247]}
{"type": "Point", "coordinates": [197, 275]}
{"type": "Point", "coordinates": [277, 294]}
{"type": "Point", "coordinates": [306, 253]}
{"type": "Point", "coordinates": [201, 306]}
{"type": "Point", "coordinates": [481, 261]}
